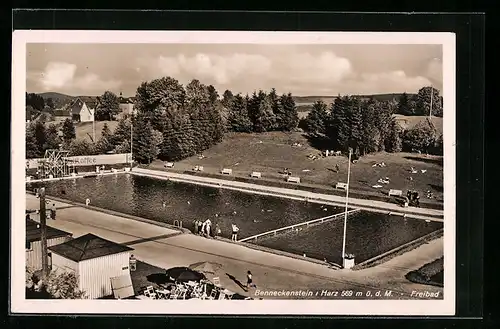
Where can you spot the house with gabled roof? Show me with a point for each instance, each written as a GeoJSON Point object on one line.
{"type": "Point", "coordinates": [95, 261]}
{"type": "Point", "coordinates": [83, 109]}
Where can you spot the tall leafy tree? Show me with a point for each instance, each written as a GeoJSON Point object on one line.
{"type": "Point", "coordinates": [159, 100]}
{"type": "Point", "coordinates": [423, 102]}
{"type": "Point", "coordinates": [420, 138]}
{"type": "Point", "coordinates": [108, 106]}
{"type": "Point", "coordinates": [68, 130]}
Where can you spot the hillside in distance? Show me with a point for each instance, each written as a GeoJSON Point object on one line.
{"type": "Point", "coordinates": [309, 100]}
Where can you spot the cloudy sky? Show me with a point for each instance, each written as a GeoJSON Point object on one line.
{"type": "Point", "coordinates": [91, 69]}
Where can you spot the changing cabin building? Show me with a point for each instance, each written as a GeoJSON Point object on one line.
{"type": "Point", "coordinates": [95, 261]}
{"type": "Point", "coordinates": [83, 110]}
{"type": "Point", "coordinates": [34, 243]}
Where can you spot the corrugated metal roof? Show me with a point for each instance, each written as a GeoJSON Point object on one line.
{"type": "Point", "coordinates": [33, 232]}
{"type": "Point", "coordinates": [88, 246]}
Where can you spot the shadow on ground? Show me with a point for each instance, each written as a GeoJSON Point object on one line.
{"type": "Point", "coordinates": [438, 161]}
{"type": "Point", "coordinates": [238, 282]}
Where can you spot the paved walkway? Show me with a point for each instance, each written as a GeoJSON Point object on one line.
{"type": "Point", "coordinates": [421, 213]}
{"type": "Point", "coordinates": [166, 248]}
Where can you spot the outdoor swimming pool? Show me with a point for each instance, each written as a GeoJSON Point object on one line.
{"type": "Point", "coordinates": [368, 234]}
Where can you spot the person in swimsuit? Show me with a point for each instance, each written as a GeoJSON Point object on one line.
{"type": "Point", "coordinates": [250, 280]}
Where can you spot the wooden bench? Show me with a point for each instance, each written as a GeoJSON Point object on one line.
{"type": "Point", "coordinates": [341, 186]}
{"type": "Point", "coordinates": [256, 174]}
{"type": "Point", "coordinates": [395, 193]}
{"type": "Point", "coordinates": [169, 165]}
{"type": "Point", "coordinates": [227, 171]}
{"type": "Point", "coordinates": [293, 179]}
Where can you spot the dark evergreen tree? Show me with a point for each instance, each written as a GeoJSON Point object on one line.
{"type": "Point", "coordinates": [317, 119]}
{"type": "Point", "coordinates": [290, 119]}
{"type": "Point", "coordinates": [393, 142]}
{"type": "Point", "coordinates": [238, 119]}
{"type": "Point", "coordinates": [105, 143]}
{"type": "Point", "coordinates": [121, 133]}
{"type": "Point", "coordinates": [404, 105]}
{"type": "Point", "coordinates": [32, 148]}
{"type": "Point", "coordinates": [68, 130]}
{"type": "Point", "coordinates": [143, 147]}
{"type": "Point", "coordinates": [52, 139]}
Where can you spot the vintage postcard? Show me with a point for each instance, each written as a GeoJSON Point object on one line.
{"type": "Point", "coordinates": [233, 173]}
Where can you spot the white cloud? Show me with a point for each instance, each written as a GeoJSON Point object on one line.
{"type": "Point", "coordinates": [57, 74]}
{"type": "Point", "coordinates": [301, 73]}
{"type": "Point", "coordinates": [435, 70]}
{"type": "Point", "coordinates": [60, 76]}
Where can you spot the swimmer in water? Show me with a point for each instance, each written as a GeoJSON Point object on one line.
{"type": "Point", "coordinates": [164, 204]}
{"type": "Point", "coordinates": [189, 202]}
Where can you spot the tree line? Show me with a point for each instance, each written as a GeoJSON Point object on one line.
{"type": "Point", "coordinates": [173, 122]}
{"type": "Point", "coordinates": [368, 125]}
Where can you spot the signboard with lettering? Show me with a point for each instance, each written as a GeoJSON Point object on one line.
{"type": "Point", "coordinates": [88, 160]}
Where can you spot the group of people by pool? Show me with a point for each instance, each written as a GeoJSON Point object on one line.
{"type": "Point", "coordinates": [205, 229]}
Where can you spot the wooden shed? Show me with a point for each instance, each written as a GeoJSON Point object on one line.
{"type": "Point", "coordinates": [34, 244]}
{"type": "Point", "coordinates": [94, 260]}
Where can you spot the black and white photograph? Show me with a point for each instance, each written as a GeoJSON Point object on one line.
{"type": "Point", "coordinates": [233, 173]}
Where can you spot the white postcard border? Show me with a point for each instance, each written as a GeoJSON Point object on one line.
{"type": "Point", "coordinates": [18, 303]}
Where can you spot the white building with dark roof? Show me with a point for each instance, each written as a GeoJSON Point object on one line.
{"type": "Point", "coordinates": [95, 261]}
{"type": "Point", "coordinates": [83, 110]}
{"type": "Point", "coordinates": [34, 243]}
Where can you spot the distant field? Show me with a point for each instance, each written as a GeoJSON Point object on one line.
{"type": "Point", "coordinates": [84, 130]}
{"type": "Point", "coordinates": [270, 153]}
{"type": "Point", "coordinates": [408, 122]}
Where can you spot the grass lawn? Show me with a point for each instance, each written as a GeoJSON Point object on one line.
{"type": "Point", "coordinates": [84, 129]}
{"type": "Point", "coordinates": [269, 153]}
{"type": "Point", "coordinates": [431, 273]}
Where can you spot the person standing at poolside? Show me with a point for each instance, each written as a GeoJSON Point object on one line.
{"type": "Point", "coordinates": [236, 229]}
{"type": "Point", "coordinates": [196, 224]}
{"type": "Point", "coordinates": [250, 280]}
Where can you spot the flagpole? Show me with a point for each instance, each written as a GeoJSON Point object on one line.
{"type": "Point", "coordinates": [131, 140]}
{"type": "Point", "coordinates": [346, 204]}
{"type": "Point", "coordinates": [432, 97]}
